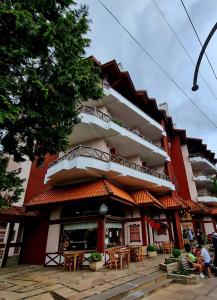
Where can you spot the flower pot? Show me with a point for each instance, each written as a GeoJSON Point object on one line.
{"type": "Point", "coordinates": [95, 266]}
{"type": "Point", "coordinates": [152, 253]}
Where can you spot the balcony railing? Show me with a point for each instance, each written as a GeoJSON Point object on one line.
{"type": "Point", "coordinates": [101, 115]}
{"type": "Point", "coordinates": [192, 155]}
{"type": "Point", "coordinates": [91, 152]}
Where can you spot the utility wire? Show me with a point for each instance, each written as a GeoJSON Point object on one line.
{"type": "Point", "coordinates": [183, 47]}
{"type": "Point", "coordinates": [198, 37]}
{"type": "Point", "coordinates": [159, 66]}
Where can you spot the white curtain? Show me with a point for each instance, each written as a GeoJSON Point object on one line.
{"type": "Point", "coordinates": [75, 226]}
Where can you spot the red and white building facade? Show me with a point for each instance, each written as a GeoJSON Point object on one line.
{"type": "Point", "coordinates": [124, 180]}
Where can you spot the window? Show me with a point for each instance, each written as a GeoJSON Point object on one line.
{"type": "Point", "coordinates": [79, 236]}
{"type": "Point", "coordinates": [113, 234]}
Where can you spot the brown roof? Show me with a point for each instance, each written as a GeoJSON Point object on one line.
{"type": "Point", "coordinates": [16, 211]}
{"type": "Point", "coordinates": [169, 201]}
{"type": "Point", "coordinates": [145, 198]}
{"type": "Point", "coordinates": [194, 206]}
{"type": "Point", "coordinates": [80, 191]}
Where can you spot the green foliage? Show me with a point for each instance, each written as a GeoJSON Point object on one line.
{"type": "Point", "coordinates": [151, 248]}
{"type": "Point", "coordinates": [10, 183]}
{"type": "Point", "coordinates": [176, 253]}
{"type": "Point", "coordinates": [182, 272]}
{"type": "Point", "coordinates": [214, 180]}
{"type": "Point", "coordinates": [95, 256]}
{"type": "Point", "coordinates": [117, 121]}
{"type": "Point", "coordinates": [44, 75]}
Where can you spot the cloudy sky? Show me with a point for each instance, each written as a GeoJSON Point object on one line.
{"type": "Point", "coordinates": [144, 21]}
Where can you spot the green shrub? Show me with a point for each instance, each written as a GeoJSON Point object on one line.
{"type": "Point", "coordinates": [151, 248]}
{"type": "Point", "coordinates": [94, 257]}
{"type": "Point", "coordinates": [117, 121]}
{"type": "Point", "coordinates": [176, 253]}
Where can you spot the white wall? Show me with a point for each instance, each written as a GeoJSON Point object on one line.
{"type": "Point", "coordinates": [54, 231]}
{"type": "Point", "coordinates": [209, 228]}
{"type": "Point", "coordinates": [189, 173]}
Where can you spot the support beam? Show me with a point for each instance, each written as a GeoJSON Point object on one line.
{"type": "Point", "coordinates": [144, 232]}
{"type": "Point", "coordinates": [7, 244]}
{"type": "Point", "coordinates": [101, 235]}
{"type": "Point", "coordinates": [178, 231]}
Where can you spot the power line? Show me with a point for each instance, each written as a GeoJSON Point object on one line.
{"type": "Point", "coordinates": [181, 44]}
{"type": "Point", "coordinates": [156, 63]}
{"type": "Point", "coordinates": [195, 31]}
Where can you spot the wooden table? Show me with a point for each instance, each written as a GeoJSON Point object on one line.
{"type": "Point", "coordinates": [121, 253]}
{"type": "Point", "coordinates": [71, 255]}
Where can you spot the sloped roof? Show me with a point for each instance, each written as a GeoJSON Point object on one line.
{"type": "Point", "coordinates": [80, 191]}
{"type": "Point", "coordinates": [171, 202]}
{"type": "Point", "coordinates": [145, 198]}
{"type": "Point", "coordinates": [16, 211]}
{"type": "Point", "coordinates": [194, 206]}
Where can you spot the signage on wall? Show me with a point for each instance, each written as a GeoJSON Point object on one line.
{"type": "Point", "coordinates": [135, 233]}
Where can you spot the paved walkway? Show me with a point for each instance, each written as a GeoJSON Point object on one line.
{"type": "Point", "coordinates": [36, 282]}
{"type": "Point", "coordinates": [205, 290]}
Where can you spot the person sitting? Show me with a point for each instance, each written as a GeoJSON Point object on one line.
{"type": "Point", "coordinates": [206, 259]}
{"type": "Point", "coordinates": [192, 259]}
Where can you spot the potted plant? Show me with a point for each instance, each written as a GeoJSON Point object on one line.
{"type": "Point", "coordinates": [152, 250]}
{"type": "Point", "coordinates": [95, 260]}
{"type": "Point", "coordinates": [176, 253]}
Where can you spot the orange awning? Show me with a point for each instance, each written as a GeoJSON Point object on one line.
{"type": "Point", "coordinates": [87, 190]}
{"type": "Point", "coordinates": [143, 197]}
{"type": "Point", "coordinates": [213, 210]}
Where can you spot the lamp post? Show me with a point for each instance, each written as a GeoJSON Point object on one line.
{"type": "Point", "coordinates": [195, 86]}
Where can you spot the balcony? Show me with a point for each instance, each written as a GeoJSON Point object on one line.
{"type": "Point", "coordinates": [203, 181]}
{"type": "Point", "coordinates": [199, 162]}
{"type": "Point", "coordinates": [95, 124]}
{"type": "Point", "coordinates": [84, 162]}
{"type": "Point", "coordinates": [130, 114]}
{"type": "Point", "coordinates": [207, 198]}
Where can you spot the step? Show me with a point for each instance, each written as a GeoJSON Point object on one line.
{"type": "Point", "coordinates": [123, 290]}
{"type": "Point", "coordinates": [141, 294]}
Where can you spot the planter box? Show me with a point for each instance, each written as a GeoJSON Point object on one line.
{"type": "Point", "coordinates": [152, 253]}
{"type": "Point", "coordinates": [95, 266]}
{"type": "Point", "coordinates": [171, 260]}
{"type": "Point", "coordinates": [190, 279]}
{"type": "Point", "coordinates": [169, 268]}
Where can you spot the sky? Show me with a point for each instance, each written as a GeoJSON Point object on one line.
{"type": "Point", "coordinates": [144, 21]}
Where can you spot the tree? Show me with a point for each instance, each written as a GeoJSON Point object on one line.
{"type": "Point", "coordinates": [44, 75]}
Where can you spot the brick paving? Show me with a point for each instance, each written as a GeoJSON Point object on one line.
{"type": "Point", "coordinates": [46, 283]}
{"type": "Point", "coordinates": [38, 282]}
{"type": "Point", "coordinates": [206, 289]}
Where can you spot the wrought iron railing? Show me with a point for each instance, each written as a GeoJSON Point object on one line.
{"type": "Point", "coordinates": [87, 151]}
{"type": "Point", "coordinates": [101, 115]}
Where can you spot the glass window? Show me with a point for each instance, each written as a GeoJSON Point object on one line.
{"type": "Point", "coordinates": [113, 234]}
{"type": "Point", "coordinates": [79, 236]}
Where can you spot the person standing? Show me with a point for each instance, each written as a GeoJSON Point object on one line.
{"type": "Point", "coordinates": [214, 242]}
{"type": "Point", "coordinates": [206, 259]}
{"type": "Point", "coordinates": [199, 236]}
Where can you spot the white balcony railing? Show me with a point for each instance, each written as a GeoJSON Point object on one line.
{"type": "Point", "coordinates": [101, 115]}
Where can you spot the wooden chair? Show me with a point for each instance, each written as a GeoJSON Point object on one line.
{"type": "Point", "coordinates": [142, 252]}
{"type": "Point", "coordinates": [167, 247]}
{"type": "Point", "coordinates": [114, 261]}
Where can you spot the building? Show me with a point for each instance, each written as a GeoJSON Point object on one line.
{"type": "Point", "coordinates": [119, 182]}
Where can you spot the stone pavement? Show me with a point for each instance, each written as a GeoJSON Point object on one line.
{"type": "Point", "coordinates": [38, 282]}
{"type": "Point", "coordinates": [205, 290]}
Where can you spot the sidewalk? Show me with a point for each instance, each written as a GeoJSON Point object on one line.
{"type": "Point", "coordinates": [35, 282]}
{"type": "Point", "coordinates": [205, 290]}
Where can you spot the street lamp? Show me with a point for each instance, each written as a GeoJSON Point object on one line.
{"type": "Point", "coordinates": [195, 86]}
